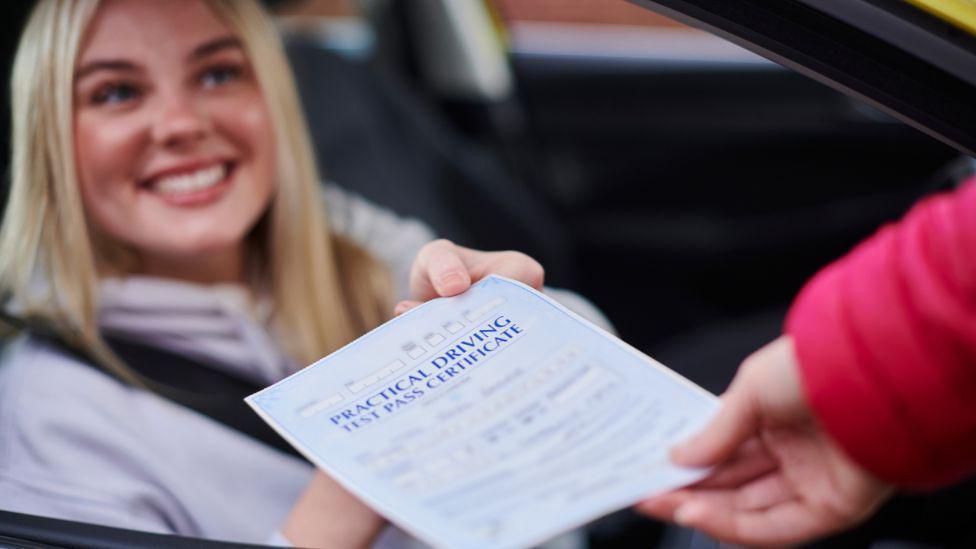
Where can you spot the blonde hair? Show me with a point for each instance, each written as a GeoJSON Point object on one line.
{"type": "Point", "coordinates": [326, 291]}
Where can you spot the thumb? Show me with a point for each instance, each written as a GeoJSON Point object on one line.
{"type": "Point", "coordinates": [438, 271]}
{"type": "Point", "coordinates": [737, 421]}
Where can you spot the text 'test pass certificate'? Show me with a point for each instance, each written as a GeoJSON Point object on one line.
{"type": "Point", "coordinates": [493, 419]}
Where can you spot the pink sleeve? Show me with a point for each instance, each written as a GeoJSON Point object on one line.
{"type": "Point", "coordinates": [886, 340]}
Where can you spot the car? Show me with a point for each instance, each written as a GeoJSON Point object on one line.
{"type": "Point", "coordinates": [687, 186]}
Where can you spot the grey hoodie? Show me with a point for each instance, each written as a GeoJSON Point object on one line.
{"type": "Point", "coordinates": [78, 445]}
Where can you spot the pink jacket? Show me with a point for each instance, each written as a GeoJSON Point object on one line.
{"type": "Point", "coordinates": [886, 340]}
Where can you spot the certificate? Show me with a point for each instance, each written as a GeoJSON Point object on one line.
{"type": "Point", "coordinates": [497, 418]}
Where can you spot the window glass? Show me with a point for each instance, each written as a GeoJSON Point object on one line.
{"type": "Point", "coordinates": [595, 12]}
{"type": "Point", "coordinates": [608, 29]}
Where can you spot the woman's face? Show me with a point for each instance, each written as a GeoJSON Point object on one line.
{"type": "Point", "coordinates": [174, 144]}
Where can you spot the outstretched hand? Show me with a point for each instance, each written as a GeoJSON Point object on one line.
{"type": "Point", "coordinates": [778, 478]}
{"type": "Point", "coordinates": [444, 269]}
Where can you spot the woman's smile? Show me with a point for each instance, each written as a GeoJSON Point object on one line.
{"type": "Point", "coordinates": [197, 184]}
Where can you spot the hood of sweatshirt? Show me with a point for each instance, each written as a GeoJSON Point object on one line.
{"type": "Point", "coordinates": [219, 324]}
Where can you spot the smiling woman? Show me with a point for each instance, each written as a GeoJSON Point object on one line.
{"type": "Point", "coordinates": [163, 192]}
{"type": "Point", "coordinates": [184, 127]}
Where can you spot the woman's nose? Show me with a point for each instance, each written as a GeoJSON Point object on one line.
{"type": "Point", "coordinates": [179, 122]}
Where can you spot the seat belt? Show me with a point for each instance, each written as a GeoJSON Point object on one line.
{"type": "Point", "coordinates": [186, 381]}
{"type": "Point", "coordinates": [198, 386]}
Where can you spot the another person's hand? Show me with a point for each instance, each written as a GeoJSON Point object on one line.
{"type": "Point", "coordinates": [443, 269]}
{"type": "Point", "coordinates": [326, 515]}
{"type": "Point", "coordinates": [778, 478]}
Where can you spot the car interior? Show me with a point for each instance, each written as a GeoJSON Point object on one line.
{"type": "Point", "coordinates": [684, 184]}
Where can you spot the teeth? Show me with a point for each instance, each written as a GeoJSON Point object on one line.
{"type": "Point", "coordinates": [196, 181]}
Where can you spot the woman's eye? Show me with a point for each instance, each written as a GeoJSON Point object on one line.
{"type": "Point", "coordinates": [218, 76]}
{"type": "Point", "coordinates": [114, 93]}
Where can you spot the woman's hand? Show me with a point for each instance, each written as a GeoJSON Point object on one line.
{"type": "Point", "coordinates": [778, 478]}
{"type": "Point", "coordinates": [443, 269]}
{"type": "Point", "coordinates": [328, 516]}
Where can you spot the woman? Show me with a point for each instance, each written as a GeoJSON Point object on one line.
{"type": "Point", "coordinates": [163, 191]}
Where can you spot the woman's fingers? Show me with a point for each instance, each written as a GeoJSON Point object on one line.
{"type": "Point", "coordinates": [514, 265]}
{"type": "Point", "coordinates": [759, 493]}
{"type": "Point", "coordinates": [783, 523]}
{"type": "Point", "coordinates": [750, 462]}
{"type": "Point", "coordinates": [767, 375]}
{"type": "Point", "coordinates": [662, 507]}
{"type": "Point", "coordinates": [764, 492]}
{"type": "Point", "coordinates": [737, 421]}
{"type": "Point", "coordinates": [444, 269]}
{"type": "Point", "coordinates": [439, 271]}
{"type": "Point", "coordinates": [750, 481]}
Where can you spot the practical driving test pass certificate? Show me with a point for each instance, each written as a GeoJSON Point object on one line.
{"type": "Point", "coordinates": [497, 418]}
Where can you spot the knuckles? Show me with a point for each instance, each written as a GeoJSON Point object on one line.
{"type": "Point", "coordinates": [522, 266]}
{"type": "Point", "coordinates": [530, 271]}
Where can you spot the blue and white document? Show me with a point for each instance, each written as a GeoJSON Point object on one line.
{"type": "Point", "coordinates": [497, 419]}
